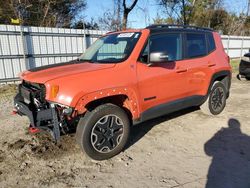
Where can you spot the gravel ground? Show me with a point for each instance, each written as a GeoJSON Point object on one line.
{"type": "Point", "coordinates": [185, 149]}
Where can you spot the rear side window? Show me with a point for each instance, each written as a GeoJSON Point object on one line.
{"type": "Point", "coordinates": [195, 45]}
{"type": "Point", "coordinates": [211, 43]}
{"type": "Point", "coordinates": [169, 43]}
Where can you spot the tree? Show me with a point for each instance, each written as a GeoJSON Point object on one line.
{"type": "Point", "coordinates": [117, 14]}
{"type": "Point", "coordinates": [219, 20]}
{"type": "Point", "coordinates": [196, 12]}
{"type": "Point", "coordinates": [238, 25]}
{"type": "Point", "coordinates": [126, 11]}
{"type": "Point", "coordinates": [109, 22]}
{"type": "Point", "coordinates": [46, 13]}
{"type": "Point", "coordinates": [160, 20]}
{"type": "Point", "coordinates": [86, 25]}
{"type": "Point", "coordinates": [247, 25]}
{"type": "Point", "coordinates": [178, 9]}
{"type": "Point", "coordinates": [203, 11]}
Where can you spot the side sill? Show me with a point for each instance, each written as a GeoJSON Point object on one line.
{"type": "Point", "coordinates": [170, 107]}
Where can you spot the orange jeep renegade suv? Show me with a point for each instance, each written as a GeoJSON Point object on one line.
{"type": "Point", "coordinates": [125, 78]}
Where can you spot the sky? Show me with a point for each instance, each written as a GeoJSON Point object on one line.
{"type": "Point", "coordinates": [145, 10]}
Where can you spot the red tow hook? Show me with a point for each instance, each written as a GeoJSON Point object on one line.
{"type": "Point", "coordinates": [33, 130]}
{"type": "Point", "coordinates": [14, 112]}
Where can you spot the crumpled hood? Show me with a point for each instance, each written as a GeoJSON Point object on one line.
{"type": "Point", "coordinates": [51, 72]}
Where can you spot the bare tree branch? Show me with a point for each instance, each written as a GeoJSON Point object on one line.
{"type": "Point", "coordinates": [126, 11]}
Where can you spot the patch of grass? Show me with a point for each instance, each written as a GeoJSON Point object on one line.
{"type": "Point", "coordinates": [8, 90]}
{"type": "Point", "coordinates": [235, 64]}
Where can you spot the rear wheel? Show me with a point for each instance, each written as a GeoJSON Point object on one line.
{"type": "Point", "coordinates": [103, 132]}
{"type": "Point", "coordinates": [216, 100]}
{"type": "Point", "coordinates": [247, 78]}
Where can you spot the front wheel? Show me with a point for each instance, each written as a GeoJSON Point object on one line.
{"type": "Point", "coordinates": [216, 100]}
{"type": "Point", "coordinates": [103, 132]}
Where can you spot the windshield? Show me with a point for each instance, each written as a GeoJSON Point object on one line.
{"type": "Point", "coordinates": [113, 48]}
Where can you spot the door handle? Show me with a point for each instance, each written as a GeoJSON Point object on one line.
{"type": "Point", "coordinates": [211, 64]}
{"type": "Point", "coordinates": [181, 70]}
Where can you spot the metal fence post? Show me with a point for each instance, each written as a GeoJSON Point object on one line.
{"type": "Point", "coordinates": [24, 45]}
{"type": "Point", "coordinates": [241, 50]}
{"type": "Point", "coordinates": [84, 34]}
{"type": "Point", "coordinates": [85, 40]}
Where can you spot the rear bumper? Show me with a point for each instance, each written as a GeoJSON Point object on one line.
{"type": "Point", "coordinates": [44, 119]}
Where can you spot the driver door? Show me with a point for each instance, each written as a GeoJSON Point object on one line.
{"type": "Point", "coordinates": [160, 83]}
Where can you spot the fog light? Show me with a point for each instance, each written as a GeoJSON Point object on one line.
{"type": "Point", "coordinates": [67, 111]}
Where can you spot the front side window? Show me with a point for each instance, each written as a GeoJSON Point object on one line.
{"type": "Point", "coordinates": [112, 48]}
{"type": "Point", "coordinates": [167, 43]}
{"type": "Point", "coordinates": [195, 45]}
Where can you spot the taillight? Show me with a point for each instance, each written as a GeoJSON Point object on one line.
{"type": "Point", "coordinates": [228, 59]}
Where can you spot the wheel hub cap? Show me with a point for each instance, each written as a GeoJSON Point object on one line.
{"type": "Point", "coordinates": [107, 133]}
{"type": "Point", "coordinates": [217, 99]}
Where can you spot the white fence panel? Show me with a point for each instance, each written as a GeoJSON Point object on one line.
{"type": "Point", "coordinates": [236, 46]}
{"type": "Point", "coordinates": [39, 46]}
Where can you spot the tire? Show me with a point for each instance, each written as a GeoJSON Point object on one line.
{"type": "Point", "coordinates": [103, 132]}
{"type": "Point", "coordinates": [247, 78]}
{"type": "Point", "coordinates": [213, 105]}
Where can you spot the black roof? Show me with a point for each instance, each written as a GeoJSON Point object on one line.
{"type": "Point", "coordinates": [158, 27]}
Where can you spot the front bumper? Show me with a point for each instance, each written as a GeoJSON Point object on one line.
{"type": "Point", "coordinates": [44, 119]}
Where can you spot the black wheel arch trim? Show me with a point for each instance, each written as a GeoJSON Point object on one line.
{"type": "Point", "coordinates": [216, 76]}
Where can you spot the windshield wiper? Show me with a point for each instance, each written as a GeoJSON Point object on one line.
{"type": "Point", "coordinates": [87, 60]}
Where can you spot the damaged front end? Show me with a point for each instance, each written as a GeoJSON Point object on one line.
{"type": "Point", "coordinates": [43, 115]}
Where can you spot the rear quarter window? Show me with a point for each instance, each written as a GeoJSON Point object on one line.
{"type": "Point", "coordinates": [211, 43]}
{"type": "Point", "coordinates": [195, 45]}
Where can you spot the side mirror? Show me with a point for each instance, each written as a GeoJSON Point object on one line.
{"type": "Point", "coordinates": [158, 57]}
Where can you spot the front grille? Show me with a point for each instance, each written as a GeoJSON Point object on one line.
{"type": "Point", "coordinates": [32, 91]}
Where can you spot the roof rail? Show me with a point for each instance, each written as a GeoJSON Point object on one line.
{"type": "Point", "coordinates": [177, 26]}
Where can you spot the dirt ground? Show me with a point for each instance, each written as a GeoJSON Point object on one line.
{"type": "Point", "coordinates": [185, 149]}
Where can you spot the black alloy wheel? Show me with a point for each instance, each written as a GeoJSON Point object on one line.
{"type": "Point", "coordinates": [103, 132]}
{"type": "Point", "coordinates": [107, 133]}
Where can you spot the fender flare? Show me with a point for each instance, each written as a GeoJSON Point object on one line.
{"type": "Point", "coordinates": [224, 73]}
{"type": "Point", "coordinates": [132, 102]}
